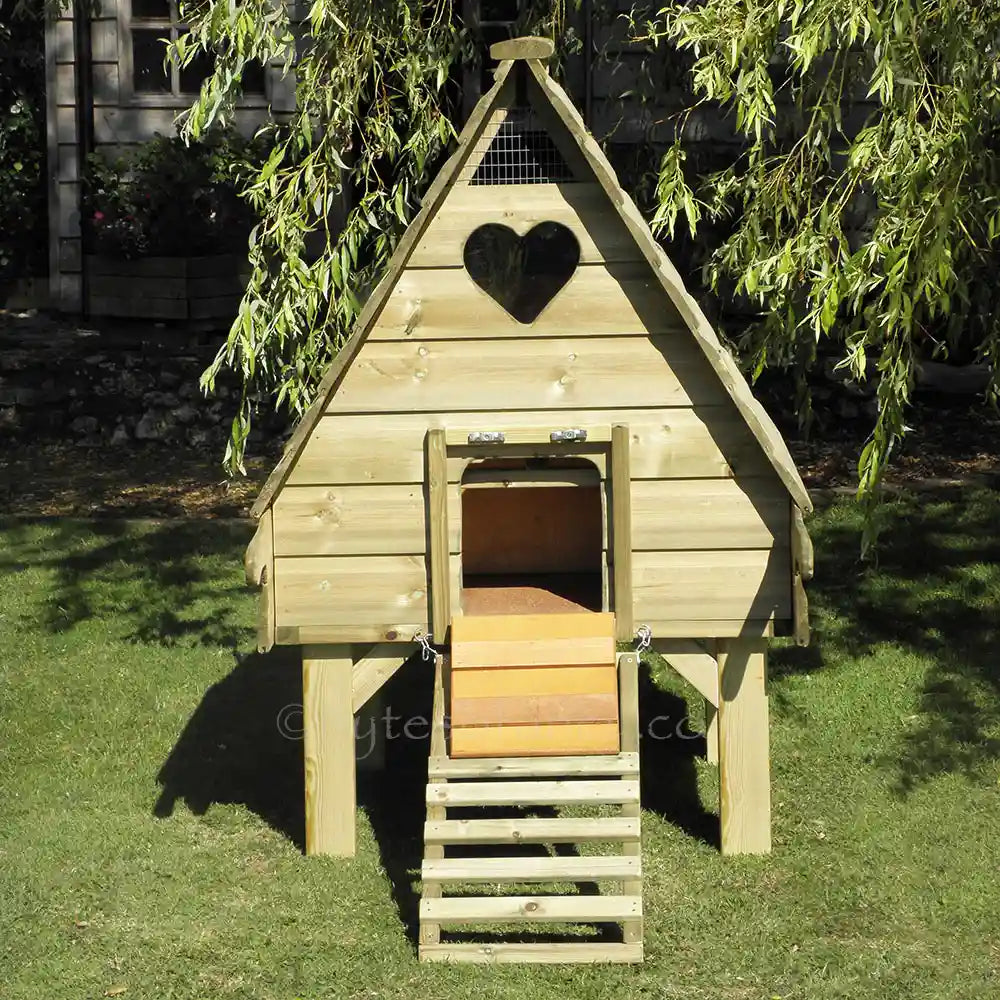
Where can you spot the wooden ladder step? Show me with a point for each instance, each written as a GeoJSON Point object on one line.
{"type": "Point", "coordinates": [538, 909]}
{"type": "Point", "coordinates": [532, 830]}
{"type": "Point", "coordinates": [548, 954]}
{"type": "Point", "coordinates": [517, 793]}
{"type": "Point", "coordinates": [530, 869]}
{"type": "Point", "coordinates": [612, 765]}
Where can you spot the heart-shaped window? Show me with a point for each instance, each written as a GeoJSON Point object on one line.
{"type": "Point", "coordinates": [522, 273]}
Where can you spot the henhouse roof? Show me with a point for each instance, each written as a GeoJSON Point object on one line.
{"type": "Point", "coordinates": [557, 106]}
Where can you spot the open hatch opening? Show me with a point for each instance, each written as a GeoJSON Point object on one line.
{"type": "Point", "coordinates": [532, 537]}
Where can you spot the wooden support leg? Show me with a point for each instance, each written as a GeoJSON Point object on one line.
{"type": "Point", "coordinates": [744, 766]}
{"type": "Point", "coordinates": [628, 706]}
{"type": "Point", "coordinates": [711, 733]}
{"type": "Point", "coordinates": [328, 731]}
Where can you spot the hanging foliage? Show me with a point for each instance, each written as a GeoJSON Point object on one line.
{"type": "Point", "coordinates": [864, 205]}
{"type": "Point", "coordinates": [374, 111]}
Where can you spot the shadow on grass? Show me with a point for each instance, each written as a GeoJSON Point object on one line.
{"type": "Point", "coordinates": [163, 582]}
{"type": "Point", "coordinates": [242, 746]}
{"type": "Point", "coordinates": [667, 751]}
{"type": "Point", "coordinates": [933, 591]}
{"type": "Point", "coordinates": [394, 797]}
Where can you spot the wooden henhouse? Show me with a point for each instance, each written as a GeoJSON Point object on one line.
{"type": "Point", "coordinates": [532, 449]}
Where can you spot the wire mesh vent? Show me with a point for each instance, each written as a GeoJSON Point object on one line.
{"type": "Point", "coordinates": [520, 152]}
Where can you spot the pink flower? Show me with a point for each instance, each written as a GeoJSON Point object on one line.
{"type": "Point", "coordinates": [98, 216]}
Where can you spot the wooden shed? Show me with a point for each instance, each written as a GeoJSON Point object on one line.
{"type": "Point", "coordinates": [532, 448]}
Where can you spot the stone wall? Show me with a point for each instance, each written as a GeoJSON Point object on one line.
{"type": "Point", "coordinates": [121, 384]}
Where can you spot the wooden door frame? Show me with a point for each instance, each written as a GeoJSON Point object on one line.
{"type": "Point", "coordinates": [462, 443]}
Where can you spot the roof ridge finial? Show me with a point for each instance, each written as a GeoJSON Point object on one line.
{"type": "Point", "coordinates": [528, 47]}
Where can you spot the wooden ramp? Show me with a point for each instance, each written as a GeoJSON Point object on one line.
{"type": "Point", "coordinates": [522, 685]}
{"type": "Point", "coordinates": [544, 842]}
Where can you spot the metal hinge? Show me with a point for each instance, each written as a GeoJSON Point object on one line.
{"type": "Point", "coordinates": [486, 437]}
{"type": "Point", "coordinates": [570, 434]}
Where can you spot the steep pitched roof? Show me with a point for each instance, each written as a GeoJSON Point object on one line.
{"type": "Point", "coordinates": [719, 358]}
{"type": "Point", "coordinates": [768, 436]}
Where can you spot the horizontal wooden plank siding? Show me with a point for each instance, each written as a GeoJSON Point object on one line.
{"type": "Point", "coordinates": [352, 520]}
{"type": "Point", "coordinates": [746, 584]}
{"type": "Point", "coordinates": [751, 513]}
{"type": "Point", "coordinates": [499, 375]}
{"type": "Point", "coordinates": [701, 511]}
{"type": "Point", "coordinates": [390, 519]}
{"type": "Point", "coordinates": [355, 555]}
{"type": "Point", "coordinates": [304, 635]}
{"type": "Point", "coordinates": [597, 301]}
{"type": "Point", "coordinates": [350, 590]}
{"type": "Point", "coordinates": [710, 628]}
{"type": "Point", "coordinates": [582, 208]}
{"type": "Point", "coordinates": [389, 447]}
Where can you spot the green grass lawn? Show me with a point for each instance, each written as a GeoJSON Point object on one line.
{"type": "Point", "coordinates": [151, 811]}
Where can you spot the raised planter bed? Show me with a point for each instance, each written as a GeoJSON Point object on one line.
{"type": "Point", "coordinates": [184, 288]}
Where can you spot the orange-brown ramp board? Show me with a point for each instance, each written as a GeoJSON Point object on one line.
{"type": "Point", "coordinates": [533, 685]}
